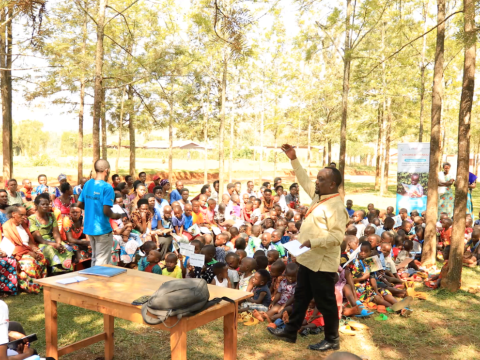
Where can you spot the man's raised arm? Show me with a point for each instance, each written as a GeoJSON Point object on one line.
{"type": "Point", "coordinates": [302, 176]}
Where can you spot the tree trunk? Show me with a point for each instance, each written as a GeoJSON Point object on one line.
{"type": "Point", "coordinates": [120, 127]}
{"type": "Point", "coordinates": [383, 139]}
{"type": "Point", "coordinates": [453, 279]}
{"type": "Point", "coordinates": [329, 158]}
{"type": "Point", "coordinates": [98, 93]}
{"type": "Point", "coordinates": [430, 244]}
{"type": "Point", "coordinates": [346, 85]}
{"type": "Point", "coordinates": [205, 138]}
{"type": "Point", "coordinates": [104, 126]}
{"type": "Point", "coordinates": [222, 130]}
{"type": "Point", "coordinates": [275, 153]}
{"type": "Point", "coordinates": [232, 146]}
{"type": "Point", "coordinates": [422, 72]}
{"type": "Point", "coordinates": [309, 141]}
{"type": "Point", "coordinates": [7, 145]}
{"type": "Point", "coordinates": [387, 145]}
{"type": "Point", "coordinates": [378, 150]}
{"type": "Point", "coordinates": [261, 138]}
{"type": "Point", "coordinates": [131, 129]}
{"type": "Point", "coordinates": [170, 142]}
{"type": "Point", "coordinates": [325, 154]}
{"type": "Point", "coordinates": [82, 103]}
{"type": "Point", "coordinates": [477, 157]}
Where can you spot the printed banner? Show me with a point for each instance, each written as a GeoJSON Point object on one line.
{"type": "Point", "coordinates": [413, 161]}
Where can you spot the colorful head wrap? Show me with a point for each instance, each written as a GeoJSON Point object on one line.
{"type": "Point", "coordinates": [62, 177]}
{"type": "Point", "coordinates": [164, 182]}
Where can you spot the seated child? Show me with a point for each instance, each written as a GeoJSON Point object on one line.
{"type": "Point", "coordinates": [222, 241]}
{"type": "Point", "coordinates": [285, 294]}
{"type": "Point", "coordinates": [241, 254]}
{"type": "Point", "coordinates": [171, 268]}
{"type": "Point", "coordinates": [149, 263]}
{"type": "Point", "coordinates": [471, 257]}
{"type": "Point", "coordinates": [435, 280]}
{"type": "Point", "coordinates": [360, 281]}
{"type": "Point", "coordinates": [220, 215]}
{"type": "Point", "coordinates": [220, 270]}
{"type": "Point", "coordinates": [446, 233]}
{"type": "Point", "coordinates": [233, 261]}
{"type": "Point", "coordinates": [247, 212]}
{"type": "Point", "coordinates": [276, 272]}
{"type": "Point", "coordinates": [247, 267]}
{"type": "Point", "coordinates": [262, 262]}
{"type": "Point", "coordinates": [468, 228]}
{"type": "Point", "coordinates": [206, 271]}
{"type": "Point", "coordinates": [374, 240]}
{"type": "Point", "coordinates": [262, 298]}
{"type": "Point", "coordinates": [405, 253]}
{"type": "Point", "coordinates": [313, 322]}
{"type": "Point", "coordinates": [276, 240]}
{"type": "Point", "coordinates": [272, 256]}
{"type": "Point", "coordinates": [254, 240]}
{"type": "Point", "coordinates": [407, 227]}
{"type": "Point", "coordinates": [241, 243]}
{"type": "Point", "coordinates": [234, 234]}
{"type": "Point", "coordinates": [266, 244]}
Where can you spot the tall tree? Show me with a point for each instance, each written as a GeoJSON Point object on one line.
{"type": "Point", "coordinates": [452, 281]}
{"type": "Point", "coordinates": [430, 243]}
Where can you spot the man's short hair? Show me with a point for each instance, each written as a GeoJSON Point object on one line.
{"type": "Point", "coordinates": [336, 175]}
{"type": "Point", "coordinates": [101, 165]}
{"type": "Point", "coordinates": [230, 185]}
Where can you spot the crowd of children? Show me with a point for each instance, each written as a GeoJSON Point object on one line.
{"type": "Point", "coordinates": [241, 235]}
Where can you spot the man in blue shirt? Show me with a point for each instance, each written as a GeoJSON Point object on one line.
{"type": "Point", "coordinates": [175, 194]}
{"type": "Point", "coordinates": [97, 199]}
{"type": "Point", "coordinates": [349, 208]}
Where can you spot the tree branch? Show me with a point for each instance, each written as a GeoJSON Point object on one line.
{"type": "Point", "coordinates": [121, 12]}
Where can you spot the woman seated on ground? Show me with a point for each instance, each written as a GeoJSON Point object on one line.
{"type": "Point", "coordinates": [140, 191]}
{"type": "Point", "coordinates": [72, 228]}
{"type": "Point", "coordinates": [30, 261]}
{"type": "Point", "coordinates": [44, 228]}
{"type": "Point", "coordinates": [142, 219]}
{"type": "Point", "coordinates": [62, 205]}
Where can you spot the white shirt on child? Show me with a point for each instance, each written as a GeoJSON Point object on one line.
{"type": "Point", "coordinates": [223, 284]}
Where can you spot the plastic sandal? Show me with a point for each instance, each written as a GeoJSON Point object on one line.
{"type": "Point", "coordinates": [357, 326]}
{"type": "Point", "coordinates": [346, 330]}
{"type": "Point", "coordinates": [272, 325]}
{"type": "Point", "coordinates": [381, 309]}
{"type": "Point", "coordinates": [251, 322]}
{"type": "Point", "coordinates": [371, 306]}
{"type": "Point", "coordinates": [390, 310]}
{"type": "Point", "coordinates": [410, 291]}
{"type": "Point", "coordinates": [364, 313]}
{"type": "Point", "coordinates": [381, 317]}
{"type": "Point", "coordinates": [420, 296]}
{"type": "Point", "coordinates": [406, 312]}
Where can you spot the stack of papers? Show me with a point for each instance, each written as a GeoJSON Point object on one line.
{"type": "Point", "coordinates": [72, 280]}
{"type": "Point", "coordinates": [103, 271]}
{"type": "Point", "coordinates": [293, 248]}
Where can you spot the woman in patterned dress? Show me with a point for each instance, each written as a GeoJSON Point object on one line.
{"type": "Point", "coordinates": [446, 199]}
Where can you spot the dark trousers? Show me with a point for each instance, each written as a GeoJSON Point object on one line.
{"type": "Point", "coordinates": [318, 285]}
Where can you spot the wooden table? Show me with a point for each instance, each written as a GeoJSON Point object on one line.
{"type": "Point", "coordinates": [113, 298]}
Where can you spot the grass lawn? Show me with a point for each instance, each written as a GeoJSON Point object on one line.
{"type": "Point", "coordinates": [445, 326]}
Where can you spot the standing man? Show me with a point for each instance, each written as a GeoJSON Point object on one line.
{"type": "Point", "coordinates": [97, 198]}
{"type": "Point", "coordinates": [322, 231]}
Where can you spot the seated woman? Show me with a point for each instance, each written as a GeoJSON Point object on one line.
{"type": "Point", "coordinates": [72, 229]}
{"type": "Point", "coordinates": [61, 206]}
{"type": "Point", "coordinates": [44, 228]}
{"type": "Point", "coordinates": [140, 191]}
{"type": "Point", "coordinates": [142, 220]}
{"type": "Point", "coordinates": [3, 206]}
{"type": "Point", "coordinates": [124, 191]}
{"type": "Point", "coordinates": [31, 264]}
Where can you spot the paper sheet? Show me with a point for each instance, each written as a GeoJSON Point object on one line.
{"type": "Point", "coordinates": [398, 221]}
{"type": "Point", "coordinates": [404, 263]}
{"type": "Point", "coordinates": [374, 263]}
{"type": "Point", "coordinates": [352, 256]}
{"type": "Point", "coordinates": [216, 230]}
{"type": "Point", "coordinates": [293, 248]}
{"type": "Point", "coordinates": [187, 249]}
{"type": "Point", "coordinates": [72, 280]}
{"type": "Point", "coordinates": [197, 260]}
{"type": "Point", "coordinates": [205, 230]}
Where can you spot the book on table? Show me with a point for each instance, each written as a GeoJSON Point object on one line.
{"type": "Point", "coordinates": [103, 271]}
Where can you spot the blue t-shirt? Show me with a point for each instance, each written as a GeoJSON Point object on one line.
{"type": "Point", "coordinates": [188, 222]}
{"type": "Point", "coordinates": [350, 212]}
{"type": "Point", "coordinates": [178, 222]}
{"type": "Point", "coordinates": [77, 190]}
{"type": "Point", "coordinates": [96, 194]}
{"type": "Point", "coordinates": [175, 196]}
{"type": "Point", "coordinates": [268, 297]}
{"type": "Point", "coordinates": [157, 218]}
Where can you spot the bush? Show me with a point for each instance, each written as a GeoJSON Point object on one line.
{"type": "Point", "coordinates": [43, 160]}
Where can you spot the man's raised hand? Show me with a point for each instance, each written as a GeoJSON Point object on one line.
{"type": "Point", "coordinates": [289, 151]}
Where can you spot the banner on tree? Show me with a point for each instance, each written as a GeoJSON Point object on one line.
{"type": "Point", "coordinates": [412, 176]}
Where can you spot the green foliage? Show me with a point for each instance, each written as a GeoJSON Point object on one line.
{"type": "Point", "coordinates": [29, 138]}
{"type": "Point", "coordinates": [43, 160]}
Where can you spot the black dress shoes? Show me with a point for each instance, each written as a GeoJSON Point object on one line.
{"type": "Point", "coordinates": [283, 335]}
{"type": "Point", "coordinates": [325, 345]}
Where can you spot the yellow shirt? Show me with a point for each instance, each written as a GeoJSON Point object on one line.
{"type": "Point", "coordinates": [324, 227]}
{"type": "Point", "coordinates": [176, 273]}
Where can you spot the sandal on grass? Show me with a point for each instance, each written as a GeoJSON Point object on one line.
{"type": "Point", "coordinates": [406, 312]}
{"type": "Point", "coordinates": [364, 313]}
{"type": "Point", "coordinates": [371, 306]}
{"type": "Point", "coordinates": [420, 296]}
{"type": "Point", "coordinates": [402, 304]}
{"type": "Point", "coordinates": [381, 309]}
{"type": "Point", "coordinates": [357, 326]}
{"type": "Point", "coordinates": [381, 317]}
{"type": "Point", "coordinates": [346, 330]}
{"type": "Point", "coordinates": [251, 322]}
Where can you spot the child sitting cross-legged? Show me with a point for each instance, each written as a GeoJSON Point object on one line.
{"type": "Point", "coordinates": [272, 256]}
{"type": "Point", "coordinates": [220, 270]}
{"type": "Point", "coordinates": [262, 262]}
{"type": "Point", "coordinates": [276, 272]}
{"type": "Point", "coordinates": [233, 261]}
{"type": "Point", "coordinates": [285, 294]}
{"type": "Point", "coordinates": [171, 268]}
{"type": "Point", "coordinates": [261, 299]}
{"type": "Point", "coordinates": [147, 263]}
{"type": "Point", "coordinates": [313, 323]}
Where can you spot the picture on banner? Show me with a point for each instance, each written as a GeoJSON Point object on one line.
{"type": "Point", "coordinates": [412, 176]}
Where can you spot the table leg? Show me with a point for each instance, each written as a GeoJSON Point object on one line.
{"type": "Point", "coordinates": [108, 326]}
{"type": "Point", "coordinates": [178, 341]}
{"type": "Point", "coordinates": [230, 335]}
{"type": "Point", "coordinates": [51, 327]}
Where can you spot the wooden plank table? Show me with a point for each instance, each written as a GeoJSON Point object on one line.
{"type": "Point", "coordinates": [113, 298]}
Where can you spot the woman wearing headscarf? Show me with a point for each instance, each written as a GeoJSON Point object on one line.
{"type": "Point", "coordinates": [3, 206]}
{"type": "Point", "coordinates": [472, 184]}
{"type": "Point", "coordinates": [165, 184]}
{"type": "Point", "coordinates": [62, 178]}
{"type": "Point", "coordinates": [30, 262]}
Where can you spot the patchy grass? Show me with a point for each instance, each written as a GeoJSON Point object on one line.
{"type": "Point", "coordinates": [445, 326]}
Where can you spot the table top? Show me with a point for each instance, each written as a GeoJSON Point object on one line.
{"type": "Point", "coordinates": [127, 287]}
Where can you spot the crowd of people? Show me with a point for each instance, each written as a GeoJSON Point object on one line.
{"type": "Point", "coordinates": [240, 231]}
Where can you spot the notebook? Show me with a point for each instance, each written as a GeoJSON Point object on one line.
{"type": "Point", "coordinates": [102, 271]}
